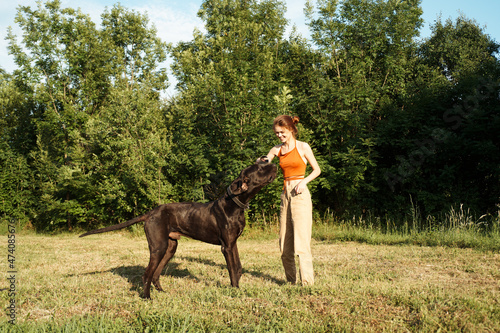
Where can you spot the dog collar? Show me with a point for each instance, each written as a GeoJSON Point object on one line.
{"type": "Point", "coordinates": [235, 199]}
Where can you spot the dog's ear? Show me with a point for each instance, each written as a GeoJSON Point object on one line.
{"type": "Point", "coordinates": [241, 186]}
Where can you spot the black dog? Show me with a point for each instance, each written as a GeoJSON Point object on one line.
{"type": "Point", "coordinates": [219, 222]}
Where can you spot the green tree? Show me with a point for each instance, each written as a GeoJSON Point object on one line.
{"type": "Point", "coordinates": [228, 78]}
{"type": "Point", "coordinates": [128, 148]}
{"type": "Point", "coordinates": [366, 54]}
{"type": "Point", "coordinates": [15, 186]}
{"type": "Point", "coordinates": [15, 175]}
{"type": "Point", "coordinates": [75, 73]}
{"type": "Point", "coordinates": [137, 49]}
{"type": "Point", "coordinates": [442, 149]}
{"type": "Point", "coordinates": [459, 49]}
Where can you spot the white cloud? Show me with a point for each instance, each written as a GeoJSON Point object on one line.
{"type": "Point", "coordinates": [173, 25]}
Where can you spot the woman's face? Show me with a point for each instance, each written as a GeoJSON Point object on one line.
{"type": "Point", "coordinates": [283, 133]}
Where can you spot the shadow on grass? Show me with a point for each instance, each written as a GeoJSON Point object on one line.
{"type": "Point", "coordinates": [254, 273]}
{"type": "Point", "coordinates": [134, 274]}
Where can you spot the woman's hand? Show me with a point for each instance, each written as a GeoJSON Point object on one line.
{"type": "Point", "coordinates": [262, 159]}
{"type": "Point", "coordinates": [300, 187]}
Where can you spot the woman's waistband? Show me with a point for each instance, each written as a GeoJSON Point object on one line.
{"type": "Point", "coordinates": [291, 180]}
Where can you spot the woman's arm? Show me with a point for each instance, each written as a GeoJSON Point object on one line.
{"type": "Point", "coordinates": [273, 153]}
{"type": "Point", "coordinates": [309, 155]}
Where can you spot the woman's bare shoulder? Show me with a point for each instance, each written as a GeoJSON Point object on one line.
{"type": "Point", "coordinates": [304, 146]}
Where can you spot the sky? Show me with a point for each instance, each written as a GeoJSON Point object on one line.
{"type": "Point", "coordinates": [176, 19]}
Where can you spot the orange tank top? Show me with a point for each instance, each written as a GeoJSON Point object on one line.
{"type": "Point", "coordinates": [292, 164]}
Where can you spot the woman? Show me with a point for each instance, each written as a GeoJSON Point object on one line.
{"type": "Point", "coordinates": [296, 205]}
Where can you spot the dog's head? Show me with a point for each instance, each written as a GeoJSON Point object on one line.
{"type": "Point", "coordinates": [254, 178]}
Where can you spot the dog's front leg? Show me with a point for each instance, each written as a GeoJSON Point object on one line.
{"type": "Point", "coordinates": [233, 263]}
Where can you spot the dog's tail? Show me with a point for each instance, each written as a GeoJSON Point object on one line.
{"type": "Point", "coordinates": [117, 226]}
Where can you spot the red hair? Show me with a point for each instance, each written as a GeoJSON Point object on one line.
{"type": "Point", "coordinates": [287, 122]}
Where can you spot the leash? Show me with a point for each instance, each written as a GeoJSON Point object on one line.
{"type": "Point", "coordinates": [235, 199]}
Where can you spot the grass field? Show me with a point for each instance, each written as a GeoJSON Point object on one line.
{"type": "Point", "coordinates": [93, 284]}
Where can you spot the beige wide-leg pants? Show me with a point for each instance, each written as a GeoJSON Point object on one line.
{"type": "Point", "coordinates": [295, 233]}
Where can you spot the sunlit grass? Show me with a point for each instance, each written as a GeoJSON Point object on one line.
{"type": "Point", "coordinates": [458, 228]}
{"type": "Point", "coordinates": [93, 284]}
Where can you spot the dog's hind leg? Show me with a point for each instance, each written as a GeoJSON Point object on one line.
{"type": "Point", "coordinates": [155, 257]}
{"type": "Point", "coordinates": [172, 247]}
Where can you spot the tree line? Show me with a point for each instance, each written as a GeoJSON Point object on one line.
{"type": "Point", "coordinates": [396, 122]}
